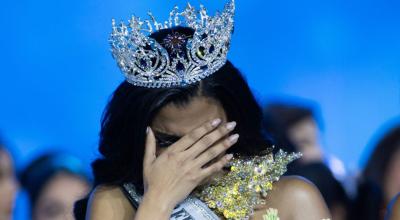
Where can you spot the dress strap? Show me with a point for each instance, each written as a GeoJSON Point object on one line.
{"type": "Point", "coordinates": [130, 192]}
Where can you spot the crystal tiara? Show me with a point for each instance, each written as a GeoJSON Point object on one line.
{"type": "Point", "coordinates": [179, 59]}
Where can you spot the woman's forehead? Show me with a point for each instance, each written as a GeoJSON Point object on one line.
{"type": "Point", "coordinates": [180, 119]}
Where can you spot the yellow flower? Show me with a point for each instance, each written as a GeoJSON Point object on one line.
{"type": "Point", "coordinates": [271, 214]}
{"type": "Point", "coordinates": [211, 204]}
{"type": "Point", "coordinates": [250, 179]}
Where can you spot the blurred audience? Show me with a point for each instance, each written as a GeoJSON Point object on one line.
{"type": "Point", "coordinates": [380, 180]}
{"type": "Point", "coordinates": [54, 182]}
{"type": "Point", "coordinates": [8, 183]}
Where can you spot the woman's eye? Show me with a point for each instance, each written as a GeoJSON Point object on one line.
{"type": "Point", "coordinates": [165, 140]}
{"type": "Point", "coordinates": [164, 143]}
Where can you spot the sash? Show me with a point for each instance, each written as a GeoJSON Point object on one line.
{"type": "Point", "coordinates": [189, 209]}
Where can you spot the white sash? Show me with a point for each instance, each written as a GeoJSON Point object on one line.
{"type": "Point", "coordinates": [189, 209]}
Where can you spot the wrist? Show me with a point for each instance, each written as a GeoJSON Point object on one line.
{"type": "Point", "coordinates": [152, 207]}
{"type": "Point", "coordinates": [158, 201]}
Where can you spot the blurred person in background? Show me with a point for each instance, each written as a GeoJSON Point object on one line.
{"type": "Point", "coordinates": [294, 127]}
{"type": "Point", "coordinates": [8, 183]}
{"type": "Point", "coordinates": [54, 182]}
{"type": "Point", "coordinates": [380, 179]}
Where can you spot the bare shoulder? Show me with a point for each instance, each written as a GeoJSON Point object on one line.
{"type": "Point", "coordinates": [109, 202]}
{"type": "Point", "coordinates": [394, 212]}
{"type": "Point", "coordinates": [299, 188]}
{"type": "Point", "coordinates": [296, 198]}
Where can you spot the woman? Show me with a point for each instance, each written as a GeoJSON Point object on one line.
{"type": "Point", "coordinates": [380, 180]}
{"type": "Point", "coordinates": [54, 182]}
{"type": "Point", "coordinates": [174, 124]}
{"type": "Point", "coordinates": [8, 184]}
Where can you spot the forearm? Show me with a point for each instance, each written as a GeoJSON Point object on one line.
{"type": "Point", "coordinates": [152, 207]}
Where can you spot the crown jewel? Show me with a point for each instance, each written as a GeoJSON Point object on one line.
{"type": "Point", "coordinates": [179, 59]}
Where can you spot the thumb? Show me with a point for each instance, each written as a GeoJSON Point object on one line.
{"type": "Point", "coordinates": [150, 149]}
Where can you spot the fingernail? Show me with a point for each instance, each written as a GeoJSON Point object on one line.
{"type": "Point", "coordinates": [231, 125]}
{"type": "Point", "coordinates": [147, 129]}
{"type": "Point", "coordinates": [233, 138]}
{"type": "Point", "coordinates": [216, 122]}
{"type": "Point", "coordinates": [229, 156]}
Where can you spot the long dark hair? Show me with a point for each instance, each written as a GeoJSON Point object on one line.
{"type": "Point", "coordinates": [369, 203]}
{"type": "Point", "coordinates": [132, 108]}
{"type": "Point", "coordinates": [380, 159]}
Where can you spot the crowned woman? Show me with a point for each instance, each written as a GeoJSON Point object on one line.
{"type": "Point", "coordinates": [181, 137]}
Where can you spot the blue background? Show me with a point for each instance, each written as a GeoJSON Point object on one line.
{"type": "Point", "coordinates": [57, 72]}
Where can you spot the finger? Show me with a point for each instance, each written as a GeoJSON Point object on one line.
{"type": "Point", "coordinates": [215, 167]}
{"type": "Point", "coordinates": [193, 136]}
{"type": "Point", "coordinates": [216, 150]}
{"type": "Point", "coordinates": [209, 139]}
{"type": "Point", "coordinates": [150, 148]}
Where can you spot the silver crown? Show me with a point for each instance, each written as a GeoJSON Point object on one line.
{"type": "Point", "coordinates": [146, 62]}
